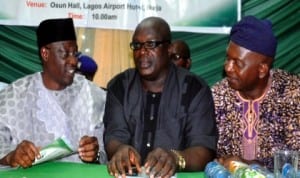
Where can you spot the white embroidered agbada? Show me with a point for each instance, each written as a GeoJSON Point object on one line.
{"type": "Point", "coordinates": [29, 111]}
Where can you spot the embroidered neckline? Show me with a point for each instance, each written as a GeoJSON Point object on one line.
{"type": "Point", "coordinates": [263, 94]}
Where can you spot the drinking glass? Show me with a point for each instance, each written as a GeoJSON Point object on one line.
{"type": "Point", "coordinates": [286, 164]}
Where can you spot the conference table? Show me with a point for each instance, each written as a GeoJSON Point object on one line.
{"type": "Point", "coordinates": [71, 170]}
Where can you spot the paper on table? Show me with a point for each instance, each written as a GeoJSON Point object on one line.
{"type": "Point", "coordinates": [144, 175]}
{"type": "Point", "coordinates": [57, 149]}
{"type": "Point", "coordinates": [5, 167]}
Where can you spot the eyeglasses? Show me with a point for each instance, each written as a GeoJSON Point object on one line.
{"type": "Point", "coordinates": [147, 44]}
{"type": "Point", "coordinates": [176, 57]}
{"type": "Point", "coordinates": [65, 54]}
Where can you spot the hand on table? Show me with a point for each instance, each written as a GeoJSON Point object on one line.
{"type": "Point", "coordinates": [88, 148]}
{"type": "Point", "coordinates": [160, 163]}
{"type": "Point", "coordinates": [123, 160]}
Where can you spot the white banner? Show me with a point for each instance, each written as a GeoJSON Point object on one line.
{"type": "Point", "coordinates": [213, 16]}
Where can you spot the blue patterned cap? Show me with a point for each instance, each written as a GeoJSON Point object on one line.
{"type": "Point", "coordinates": [255, 35]}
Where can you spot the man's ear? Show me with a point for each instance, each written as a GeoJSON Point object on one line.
{"type": "Point", "coordinates": [44, 53]}
{"type": "Point", "coordinates": [263, 70]}
{"type": "Point", "coordinates": [188, 63]}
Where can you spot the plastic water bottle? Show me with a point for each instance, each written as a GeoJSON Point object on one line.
{"type": "Point", "coordinates": [242, 170]}
{"type": "Point", "coordinates": [239, 172]}
{"type": "Point", "coordinates": [216, 170]}
{"type": "Point", "coordinates": [247, 173]}
{"type": "Point", "coordinates": [235, 165]}
{"type": "Point", "coordinates": [288, 171]}
{"type": "Point", "coordinates": [264, 171]}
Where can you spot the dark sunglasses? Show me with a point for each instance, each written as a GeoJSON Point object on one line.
{"type": "Point", "coordinates": [176, 57]}
{"type": "Point", "coordinates": [147, 44]}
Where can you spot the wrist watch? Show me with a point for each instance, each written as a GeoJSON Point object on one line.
{"type": "Point", "coordinates": [97, 159]}
{"type": "Point", "coordinates": [180, 161]}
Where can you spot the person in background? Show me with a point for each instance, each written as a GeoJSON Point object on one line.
{"type": "Point", "coordinates": [158, 116]}
{"type": "Point", "coordinates": [257, 107]}
{"type": "Point", "coordinates": [180, 54]}
{"type": "Point", "coordinates": [86, 66]}
{"type": "Point", "coordinates": [54, 103]}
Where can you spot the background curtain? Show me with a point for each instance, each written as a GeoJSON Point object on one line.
{"type": "Point", "coordinates": [110, 48]}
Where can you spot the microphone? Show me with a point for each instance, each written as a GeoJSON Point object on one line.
{"type": "Point", "coordinates": [86, 64]}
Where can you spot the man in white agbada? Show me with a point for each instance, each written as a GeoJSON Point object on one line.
{"type": "Point", "coordinates": [54, 103]}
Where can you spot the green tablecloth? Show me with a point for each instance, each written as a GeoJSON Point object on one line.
{"type": "Point", "coordinates": [71, 170]}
